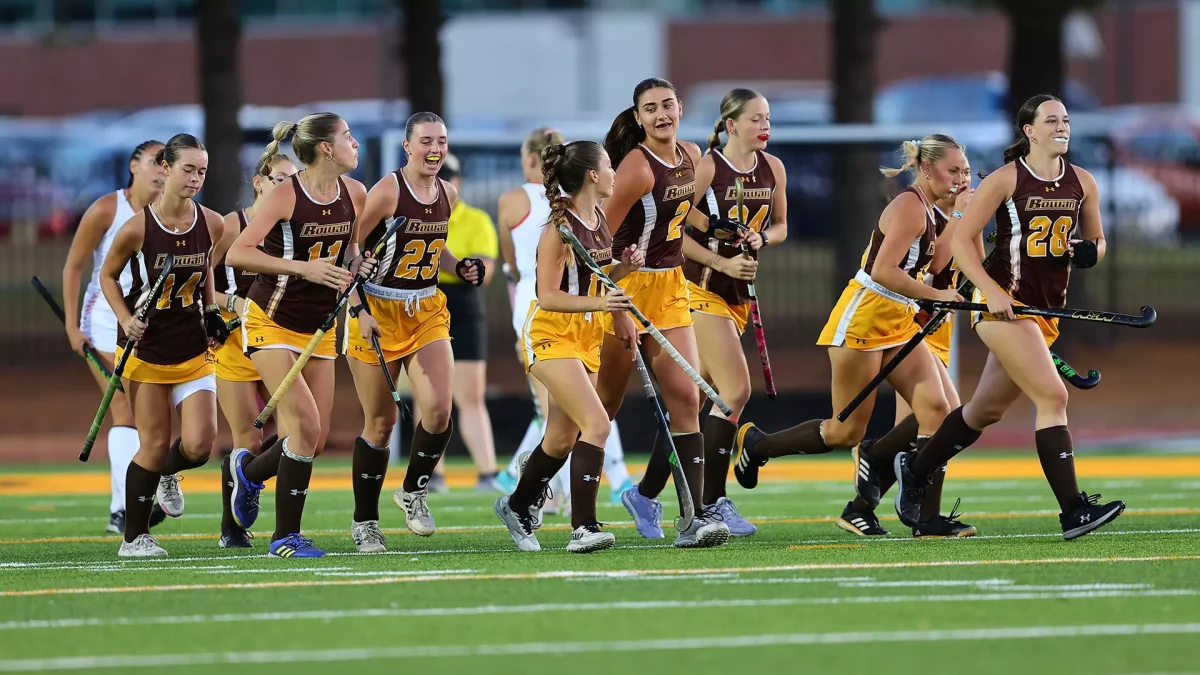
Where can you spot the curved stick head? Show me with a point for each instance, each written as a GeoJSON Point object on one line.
{"type": "Point", "coordinates": [1149, 316]}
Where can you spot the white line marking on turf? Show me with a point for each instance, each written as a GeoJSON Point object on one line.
{"type": "Point", "coordinates": [568, 574]}
{"type": "Point", "coordinates": [659, 644]}
{"type": "Point", "coordinates": [1055, 535]}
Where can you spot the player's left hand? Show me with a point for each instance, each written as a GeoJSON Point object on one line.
{"type": "Point", "coordinates": [470, 270]}
{"type": "Point", "coordinates": [753, 240]}
{"type": "Point", "coordinates": [625, 331]}
{"type": "Point", "coordinates": [366, 266]}
{"type": "Point", "coordinates": [632, 257]}
{"type": "Point", "coordinates": [214, 326]}
{"type": "Point", "coordinates": [1084, 253]}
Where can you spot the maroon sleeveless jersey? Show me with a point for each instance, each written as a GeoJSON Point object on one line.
{"type": "Point", "coordinates": [655, 222]}
{"type": "Point", "coordinates": [314, 231]}
{"type": "Point", "coordinates": [410, 258]}
{"type": "Point", "coordinates": [232, 281]}
{"type": "Point", "coordinates": [577, 277]}
{"type": "Point", "coordinates": [949, 274]}
{"type": "Point", "coordinates": [1030, 261]}
{"type": "Point", "coordinates": [175, 324]}
{"type": "Point", "coordinates": [758, 189]}
{"type": "Point", "coordinates": [920, 251]}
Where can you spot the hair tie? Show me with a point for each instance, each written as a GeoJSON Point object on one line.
{"type": "Point", "coordinates": [561, 150]}
{"type": "Point", "coordinates": [917, 142]}
{"type": "Point", "coordinates": [551, 132]}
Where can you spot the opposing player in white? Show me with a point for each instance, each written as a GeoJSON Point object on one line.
{"type": "Point", "coordinates": [522, 213]}
{"type": "Point", "coordinates": [96, 324]}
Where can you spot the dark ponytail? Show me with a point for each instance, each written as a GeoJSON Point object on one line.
{"type": "Point", "coordinates": [137, 154]}
{"type": "Point", "coordinates": [1026, 115]}
{"type": "Point", "coordinates": [565, 169]}
{"type": "Point", "coordinates": [553, 157]}
{"type": "Point", "coordinates": [626, 132]}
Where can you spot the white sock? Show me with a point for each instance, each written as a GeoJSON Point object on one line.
{"type": "Point", "coordinates": [123, 444]}
{"type": "Point", "coordinates": [533, 436]}
{"type": "Point", "coordinates": [614, 459]}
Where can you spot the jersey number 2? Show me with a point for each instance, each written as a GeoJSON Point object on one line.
{"type": "Point", "coordinates": [187, 292]}
{"type": "Point", "coordinates": [675, 227]}
{"type": "Point", "coordinates": [1041, 229]}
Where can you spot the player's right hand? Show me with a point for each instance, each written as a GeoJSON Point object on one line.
{"type": "Point", "coordinates": [77, 339]}
{"type": "Point", "coordinates": [1000, 306]}
{"type": "Point", "coordinates": [948, 295]}
{"type": "Point", "coordinates": [626, 331]}
{"type": "Point", "coordinates": [739, 267]}
{"type": "Point", "coordinates": [367, 325]}
{"type": "Point", "coordinates": [616, 301]}
{"type": "Point", "coordinates": [322, 271]}
{"type": "Point", "coordinates": [133, 328]}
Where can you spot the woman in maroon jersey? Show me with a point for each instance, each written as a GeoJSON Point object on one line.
{"type": "Point", "coordinates": [718, 273]}
{"type": "Point", "coordinates": [1047, 221]}
{"type": "Point", "coordinates": [240, 390]}
{"type": "Point", "coordinates": [170, 369]}
{"type": "Point", "coordinates": [306, 231]}
{"type": "Point", "coordinates": [651, 202]}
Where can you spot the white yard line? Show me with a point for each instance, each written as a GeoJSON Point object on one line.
{"type": "Point", "coordinates": [678, 643]}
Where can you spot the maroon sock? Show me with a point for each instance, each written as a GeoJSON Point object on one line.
{"type": "Point", "coordinates": [426, 449]}
{"type": "Point", "coordinates": [177, 461]}
{"type": "Point", "coordinates": [291, 490]}
{"type": "Point", "coordinates": [899, 439]}
{"type": "Point", "coordinates": [140, 486]}
{"type": "Point", "coordinates": [802, 439]}
{"type": "Point", "coordinates": [658, 470]}
{"type": "Point", "coordinates": [266, 465]}
{"type": "Point", "coordinates": [859, 504]}
{"type": "Point", "coordinates": [535, 479]}
{"type": "Point", "coordinates": [587, 462]}
{"type": "Point", "coordinates": [933, 494]}
{"type": "Point", "coordinates": [690, 448]}
{"type": "Point", "coordinates": [718, 447]}
{"type": "Point", "coordinates": [1056, 451]}
{"type": "Point", "coordinates": [368, 469]}
{"type": "Point", "coordinates": [951, 438]}
{"type": "Point", "coordinates": [228, 524]}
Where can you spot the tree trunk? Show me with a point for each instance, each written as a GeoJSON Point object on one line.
{"type": "Point", "coordinates": [1035, 49]}
{"type": "Point", "coordinates": [421, 52]}
{"type": "Point", "coordinates": [218, 39]}
{"type": "Point", "coordinates": [855, 165]}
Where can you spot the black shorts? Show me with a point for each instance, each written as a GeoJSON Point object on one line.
{"type": "Point", "coordinates": [468, 328]}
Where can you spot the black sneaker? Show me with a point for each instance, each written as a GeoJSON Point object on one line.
{"type": "Point", "coordinates": [745, 469]}
{"type": "Point", "coordinates": [157, 515]}
{"type": "Point", "coordinates": [116, 522]}
{"type": "Point", "coordinates": [236, 538]}
{"type": "Point", "coordinates": [944, 526]}
{"type": "Point", "coordinates": [910, 492]}
{"type": "Point", "coordinates": [866, 473]}
{"type": "Point", "coordinates": [1088, 515]}
{"type": "Point", "coordinates": [862, 523]}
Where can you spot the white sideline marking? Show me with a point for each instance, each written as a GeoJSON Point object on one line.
{"type": "Point", "coordinates": [329, 615]}
{"type": "Point", "coordinates": [568, 574]}
{"type": "Point", "coordinates": [659, 644]}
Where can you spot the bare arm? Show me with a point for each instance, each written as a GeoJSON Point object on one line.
{"type": "Point", "coordinates": [634, 179]}
{"type": "Point", "coordinates": [127, 242]}
{"type": "Point", "coordinates": [216, 232]}
{"type": "Point", "coordinates": [966, 245]}
{"type": "Point", "coordinates": [96, 221]}
{"type": "Point", "coordinates": [705, 170]}
{"type": "Point", "coordinates": [512, 209]}
{"type": "Point", "coordinates": [244, 253]}
{"type": "Point", "coordinates": [901, 222]}
{"type": "Point", "coordinates": [779, 229]}
{"type": "Point", "coordinates": [447, 261]}
{"type": "Point", "coordinates": [1089, 216]}
{"type": "Point", "coordinates": [228, 234]}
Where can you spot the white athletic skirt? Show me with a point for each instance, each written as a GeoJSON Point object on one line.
{"type": "Point", "coordinates": [97, 321]}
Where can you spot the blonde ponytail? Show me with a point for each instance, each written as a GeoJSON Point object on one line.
{"type": "Point", "coordinates": [279, 134]}
{"type": "Point", "coordinates": [933, 147]}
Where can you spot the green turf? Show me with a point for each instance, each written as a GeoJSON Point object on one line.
{"type": "Point", "coordinates": [760, 604]}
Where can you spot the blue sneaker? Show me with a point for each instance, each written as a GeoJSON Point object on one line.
{"type": "Point", "coordinates": [646, 512]}
{"type": "Point", "coordinates": [294, 546]}
{"type": "Point", "coordinates": [244, 500]}
{"type": "Point", "coordinates": [506, 482]}
{"type": "Point", "coordinates": [615, 495]}
{"type": "Point", "coordinates": [738, 526]}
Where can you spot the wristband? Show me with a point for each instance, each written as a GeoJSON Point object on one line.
{"type": "Point", "coordinates": [354, 311]}
{"type": "Point", "coordinates": [956, 214]}
{"type": "Point", "coordinates": [231, 304]}
{"type": "Point", "coordinates": [765, 240]}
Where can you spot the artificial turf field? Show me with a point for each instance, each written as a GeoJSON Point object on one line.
{"type": "Point", "coordinates": [801, 596]}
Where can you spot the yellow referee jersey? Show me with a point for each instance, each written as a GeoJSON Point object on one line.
{"type": "Point", "coordinates": [471, 234]}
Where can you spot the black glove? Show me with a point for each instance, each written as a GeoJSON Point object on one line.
{"type": "Point", "coordinates": [723, 228]}
{"type": "Point", "coordinates": [461, 268]}
{"type": "Point", "coordinates": [214, 325]}
{"type": "Point", "coordinates": [1084, 254]}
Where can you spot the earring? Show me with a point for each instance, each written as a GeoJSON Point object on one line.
{"type": "Point", "coordinates": [329, 157]}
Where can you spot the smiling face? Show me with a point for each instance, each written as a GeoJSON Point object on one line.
{"type": "Point", "coordinates": [752, 127]}
{"type": "Point", "coordinates": [658, 112]}
{"type": "Point", "coordinates": [427, 147]}
{"type": "Point", "coordinates": [186, 176]}
{"type": "Point", "coordinates": [1051, 128]}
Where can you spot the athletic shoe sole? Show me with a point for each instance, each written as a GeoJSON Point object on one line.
{"type": "Point", "coordinates": [601, 544]}
{"type": "Point", "coordinates": [849, 527]}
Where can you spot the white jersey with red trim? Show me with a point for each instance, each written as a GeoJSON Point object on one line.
{"type": "Point", "coordinates": [525, 236]}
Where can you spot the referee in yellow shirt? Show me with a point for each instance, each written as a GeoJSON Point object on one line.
{"type": "Point", "coordinates": [472, 234]}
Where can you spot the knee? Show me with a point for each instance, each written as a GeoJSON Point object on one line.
{"type": "Point", "coordinates": [842, 435]}
{"type": "Point", "coordinates": [198, 445]}
{"type": "Point", "coordinates": [1052, 399]}
{"type": "Point", "coordinates": [558, 442]}
{"type": "Point", "coordinates": [377, 429]}
{"type": "Point", "coordinates": [306, 431]}
{"type": "Point", "coordinates": [436, 418]}
{"type": "Point", "coordinates": [470, 395]}
{"type": "Point", "coordinates": [611, 400]}
{"type": "Point", "coordinates": [737, 396]}
{"type": "Point", "coordinates": [122, 414]}
{"type": "Point", "coordinates": [595, 429]}
{"type": "Point", "coordinates": [979, 415]}
{"type": "Point", "coordinates": [930, 407]}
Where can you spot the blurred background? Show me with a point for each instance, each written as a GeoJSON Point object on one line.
{"type": "Point", "coordinates": [84, 81]}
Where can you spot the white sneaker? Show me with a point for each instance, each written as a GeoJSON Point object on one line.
{"type": "Point", "coordinates": [169, 496]}
{"type": "Point", "coordinates": [706, 531]}
{"type": "Point", "coordinates": [416, 511]}
{"type": "Point", "coordinates": [519, 526]}
{"type": "Point", "coordinates": [367, 536]}
{"type": "Point", "coordinates": [143, 546]}
{"type": "Point", "coordinates": [589, 538]}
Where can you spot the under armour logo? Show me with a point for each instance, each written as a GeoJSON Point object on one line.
{"type": "Point", "coordinates": [724, 451]}
{"type": "Point", "coordinates": [1049, 189]}
{"type": "Point", "coordinates": [421, 454]}
{"type": "Point", "coordinates": [326, 212]}
{"type": "Point", "coordinates": [146, 498]}
{"type": "Point", "coordinates": [679, 174]}
{"type": "Point", "coordinates": [180, 242]}
{"type": "Point", "coordinates": [299, 493]}
{"type": "Point", "coordinates": [1085, 518]}
{"type": "Point", "coordinates": [697, 460]}
{"type": "Point", "coordinates": [587, 478]}
{"type": "Point", "coordinates": [958, 447]}
{"type": "Point", "coordinates": [428, 211]}
{"type": "Point", "coordinates": [748, 178]}
{"type": "Point", "coordinates": [368, 476]}
{"type": "Point", "coordinates": [1064, 455]}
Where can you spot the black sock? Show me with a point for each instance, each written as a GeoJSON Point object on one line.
{"type": "Point", "coordinates": [291, 489]}
{"type": "Point", "coordinates": [177, 461]}
{"type": "Point", "coordinates": [932, 505]}
{"type": "Point", "coordinates": [802, 439]}
{"type": "Point", "coordinates": [266, 443]}
{"type": "Point", "coordinates": [587, 462]}
{"type": "Point", "coordinates": [718, 447]}
{"type": "Point", "coordinates": [951, 438]}
{"type": "Point", "coordinates": [899, 439]}
{"type": "Point", "coordinates": [426, 449]}
{"type": "Point", "coordinates": [140, 486]}
{"type": "Point", "coordinates": [1056, 451]}
{"type": "Point", "coordinates": [368, 469]}
{"type": "Point", "coordinates": [860, 505]}
{"type": "Point", "coordinates": [538, 471]}
{"type": "Point", "coordinates": [487, 475]}
{"type": "Point", "coordinates": [228, 524]}
{"type": "Point", "coordinates": [658, 469]}
{"type": "Point", "coordinates": [690, 448]}
{"type": "Point", "coordinates": [266, 464]}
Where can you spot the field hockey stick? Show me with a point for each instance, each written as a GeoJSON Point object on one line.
{"type": "Point", "coordinates": [387, 373]}
{"type": "Point", "coordinates": [1072, 376]}
{"type": "Point", "coordinates": [687, 510]}
{"type": "Point", "coordinates": [661, 339]}
{"type": "Point", "coordinates": [1143, 320]}
{"type": "Point", "coordinates": [114, 380]}
{"type": "Point", "coordinates": [760, 336]}
{"type": "Point", "coordinates": [89, 352]}
{"type": "Point", "coordinates": [315, 341]}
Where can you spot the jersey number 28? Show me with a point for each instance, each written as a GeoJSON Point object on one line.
{"type": "Point", "coordinates": [1040, 228]}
